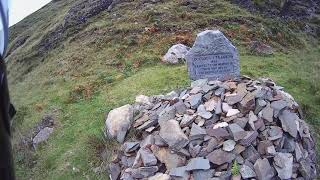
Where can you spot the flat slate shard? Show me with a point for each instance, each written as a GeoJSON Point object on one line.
{"type": "Point", "coordinates": [289, 122]}
{"type": "Point", "coordinates": [283, 163]}
{"type": "Point", "coordinates": [172, 134]}
{"type": "Point", "coordinates": [220, 157]}
{"type": "Point", "coordinates": [263, 169]}
{"type": "Point", "coordinates": [198, 164]}
{"type": "Point", "coordinates": [213, 56]}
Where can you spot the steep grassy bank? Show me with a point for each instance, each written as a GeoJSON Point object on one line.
{"type": "Point", "coordinates": [114, 56]}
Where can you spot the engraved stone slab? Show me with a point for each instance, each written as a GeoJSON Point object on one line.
{"type": "Point", "coordinates": [213, 57]}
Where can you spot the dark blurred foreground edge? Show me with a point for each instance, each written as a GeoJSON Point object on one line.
{"type": "Point", "coordinates": [6, 161]}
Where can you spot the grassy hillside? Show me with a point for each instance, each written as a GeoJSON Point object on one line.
{"type": "Point", "coordinates": [79, 71]}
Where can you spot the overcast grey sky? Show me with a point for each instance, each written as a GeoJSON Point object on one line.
{"type": "Point", "coordinates": [20, 9]}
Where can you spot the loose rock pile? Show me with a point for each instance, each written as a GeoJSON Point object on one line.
{"type": "Point", "coordinates": [238, 129]}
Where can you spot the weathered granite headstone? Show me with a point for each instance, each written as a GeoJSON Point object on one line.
{"type": "Point", "coordinates": [213, 56]}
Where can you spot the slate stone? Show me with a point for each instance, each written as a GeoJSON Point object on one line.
{"type": "Point", "coordinates": [195, 100]}
{"type": "Point", "coordinates": [42, 136]}
{"type": "Point", "coordinates": [307, 170]}
{"type": "Point", "coordinates": [263, 169]}
{"type": "Point", "coordinates": [130, 146]}
{"type": "Point", "coordinates": [232, 112]}
{"type": "Point", "coordinates": [171, 160]}
{"type": "Point", "coordinates": [218, 109]}
{"type": "Point", "coordinates": [217, 133]}
{"type": "Point", "coordinates": [267, 113]}
{"type": "Point", "coordinates": [202, 112]}
{"type": "Point", "coordinates": [226, 107]}
{"type": "Point", "coordinates": [180, 107]}
{"type": "Point", "coordinates": [283, 163]}
{"type": "Point", "coordinates": [199, 83]}
{"type": "Point", "coordinates": [228, 145]}
{"type": "Point", "coordinates": [246, 172]}
{"type": "Point", "coordinates": [147, 125]}
{"type": "Point", "coordinates": [159, 176]}
{"type": "Point", "coordinates": [202, 174]}
{"type": "Point", "coordinates": [289, 122]}
{"type": "Point", "coordinates": [260, 104]}
{"type": "Point", "coordinates": [288, 143]}
{"type": "Point", "coordinates": [232, 99]}
{"type": "Point", "coordinates": [242, 122]}
{"type": "Point", "coordinates": [247, 103]}
{"type": "Point", "coordinates": [197, 132]}
{"type": "Point", "coordinates": [147, 157]}
{"type": "Point", "coordinates": [172, 134]}
{"type": "Point", "coordinates": [114, 170]}
{"type": "Point", "coordinates": [144, 118]}
{"type": "Point", "coordinates": [194, 150]}
{"type": "Point", "coordinates": [249, 138]}
{"type": "Point", "coordinates": [277, 106]}
{"type": "Point", "coordinates": [198, 163]}
{"type": "Point", "coordinates": [250, 154]}
{"type": "Point", "coordinates": [263, 145]}
{"type": "Point", "coordinates": [274, 133]}
{"type": "Point", "coordinates": [298, 152]}
{"type": "Point", "coordinates": [187, 120]}
{"type": "Point", "coordinates": [237, 132]}
{"type": "Point", "coordinates": [179, 172]}
{"type": "Point", "coordinates": [167, 114]}
{"type": "Point", "coordinates": [213, 56]}
{"type": "Point", "coordinates": [212, 144]}
{"type": "Point", "coordinates": [220, 157]}
{"type": "Point", "coordinates": [144, 172]}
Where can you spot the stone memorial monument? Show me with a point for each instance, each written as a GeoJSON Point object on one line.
{"type": "Point", "coordinates": [213, 56]}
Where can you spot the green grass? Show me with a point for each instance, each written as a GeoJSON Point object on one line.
{"type": "Point", "coordinates": [112, 59]}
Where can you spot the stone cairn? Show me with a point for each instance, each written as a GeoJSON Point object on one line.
{"type": "Point", "coordinates": [236, 129]}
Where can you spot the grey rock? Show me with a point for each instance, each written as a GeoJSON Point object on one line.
{"type": "Point", "coordinates": [247, 103]}
{"type": "Point", "coordinates": [232, 112]}
{"type": "Point", "coordinates": [147, 157]}
{"type": "Point", "coordinates": [179, 171]}
{"type": "Point", "coordinates": [198, 164]}
{"type": "Point", "coordinates": [277, 106]}
{"type": "Point", "coordinates": [143, 172]}
{"type": "Point", "coordinates": [212, 144]}
{"type": "Point", "coordinates": [42, 136]}
{"type": "Point", "coordinates": [237, 132]}
{"type": "Point", "coordinates": [180, 107]}
{"type": "Point", "coordinates": [130, 146]}
{"type": "Point", "coordinates": [246, 172]}
{"type": "Point", "coordinates": [202, 112]}
{"type": "Point", "coordinates": [202, 174]}
{"type": "Point", "coordinates": [194, 150]}
{"type": "Point", "coordinates": [167, 114]}
{"type": "Point", "coordinates": [267, 113]}
{"type": "Point", "coordinates": [249, 138]}
{"type": "Point", "coordinates": [187, 120]}
{"type": "Point", "coordinates": [199, 83]}
{"type": "Point", "coordinates": [307, 170]}
{"type": "Point", "coordinates": [212, 45]}
{"type": "Point", "coordinates": [220, 157]}
{"type": "Point", "coordinates": [274, 133]}
{"type": "Point", "coordinates": [115, 170]}
{"type": "Point", "coordinates": [250, 154]}
{"type": "Point", "coordinates": [211, 104]}
{"type": "Point", "coordinates": [171, 160]}
{"type": "Point", "coordinates": [289, 122]}
{"type": "Point", "coordinates": [143, 100]}
{"type": "Point", "coordinates": [195, 100]}
{"type": "Point", "coordinates": [242, 122]}
{"type": "Point", "coordinates": [228, 145]}
{"type": "Point", "coordinates": [176, 54]}
{"type": "Point", "coordinates": [260, 104]}
{"type": "Point", "coordinates": [172, 134]}
{"type": "Point", "coordinates": [283, 163]}
{"type": "Point", "coordinates": [226, 107]}
{"type": "Point", "coordinates": [218, 109]}
{"type": "Point", "coordinates": [147, 125]}
{"type": "Point", "coordinates": [232, 99]}
{"type": "Point", "coordinates": [118, 122]}
{"type": "Point", "coordinates": [159, 176]}
{"type": "Point", "coordinates": [263, 169]}
{"type": "Point", "coordinates": [197, 132]}
{"type": "Point", "coordinates": [218, 132]}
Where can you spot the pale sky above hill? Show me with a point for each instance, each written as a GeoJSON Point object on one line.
{"type": "Point", "coordinates": [20, 9]}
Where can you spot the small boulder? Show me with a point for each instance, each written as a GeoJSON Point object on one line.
{"type": "Point", "coordinates": [176, 54]}
{"type": "Point", "coordinates": [42, 136]}
{"type": "Point", "coordinates": [118, 122]}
